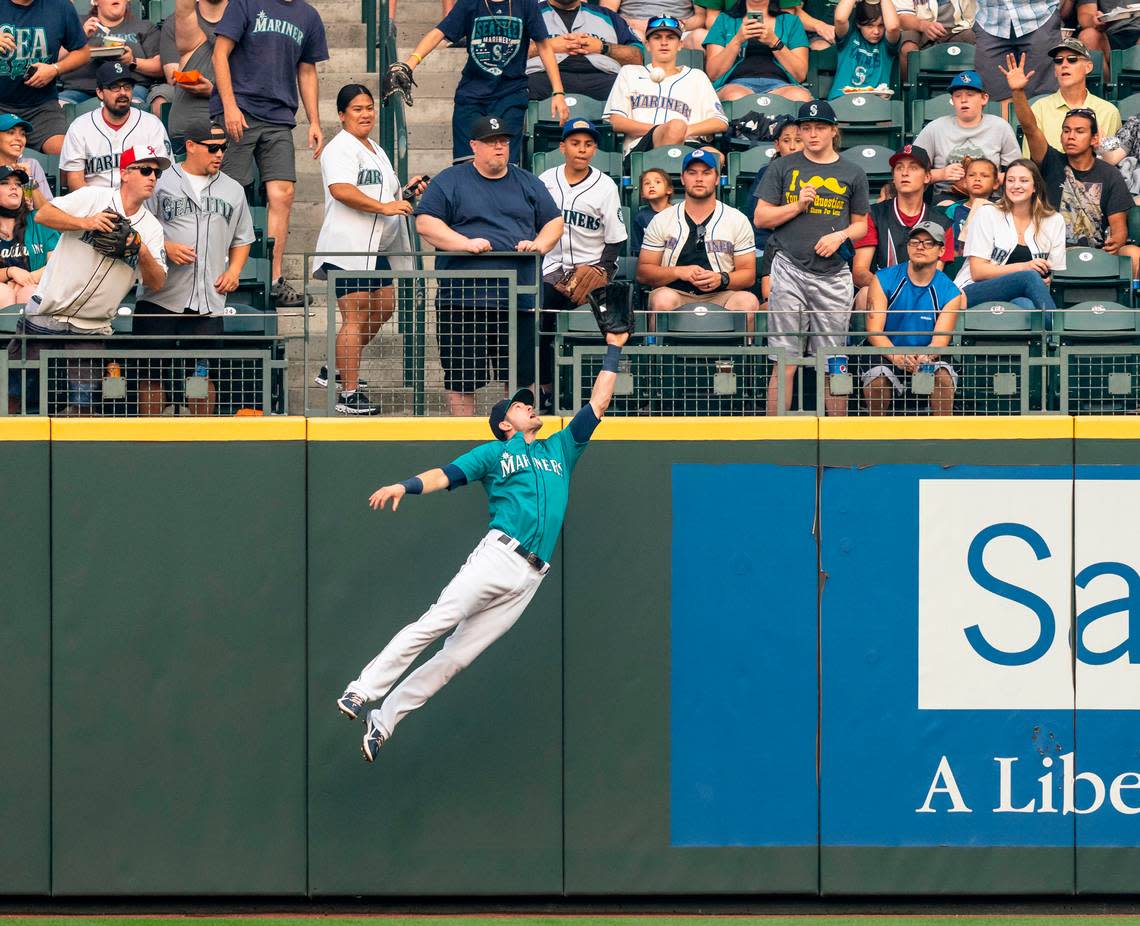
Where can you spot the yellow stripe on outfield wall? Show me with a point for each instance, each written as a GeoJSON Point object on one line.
{"type": "Point", "coordinates": [1050, 427]}
{"type": "Point", "coordinates": [15, 428]}
{"type": "Point", "coordinates": [1094, 428]}
{"type": "Point", "coordinates": [411, 429]}
{"type": "Point", "coordinates": [722, 429]}
{"type": "Point", "coordinates": [159, 429]}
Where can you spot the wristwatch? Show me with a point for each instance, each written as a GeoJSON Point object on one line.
{"type": "Point", "coordinates": [724, 278]}
{"type": "Point", "coordinates": [605, 48]}
{"type": "Point", "coordinates": [779, 44]}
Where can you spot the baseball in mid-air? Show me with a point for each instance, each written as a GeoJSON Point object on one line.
{"type": "Point", "coordinates": [657, 74]}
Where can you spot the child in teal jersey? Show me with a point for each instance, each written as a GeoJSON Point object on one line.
{"type": "Point", "coordinates": [867, 51]}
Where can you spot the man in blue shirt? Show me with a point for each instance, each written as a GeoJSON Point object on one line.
{"type": "Point", "coordinates": [912, 304]}
{"type": "Point", "coordinates": [32, 35]}
{"type": "Point", "coordinates": [487, 205]}
{"type": "Point", "coordinates": [493, 83]}
{"type": "Point", "coordinates": [264, 50]}
{"type": "Point", "coordinates": [527, 482]}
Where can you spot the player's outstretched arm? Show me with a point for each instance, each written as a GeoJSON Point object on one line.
{"type": "Point", "coordinates": [432, 481]}
{"type": "Point", "coordinates": [603, 390]}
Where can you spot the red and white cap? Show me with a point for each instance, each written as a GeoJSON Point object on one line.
{"type": "Point", "coordinates": [143, 153]}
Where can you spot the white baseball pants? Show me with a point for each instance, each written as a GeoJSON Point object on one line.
{"type": "Point", "coordinates": [481, 603]}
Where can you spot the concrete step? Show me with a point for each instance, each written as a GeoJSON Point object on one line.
{"type": "Point", "coordinates": [431, 135]}
{"type": "Point", "coordinates": [339, 33]}
{"type": "Point", "coordinates": [430, 112]}
{"type": "Point", "coordinates": [443, 59]}
{"type": "Point", "coordinates": [345, 61]}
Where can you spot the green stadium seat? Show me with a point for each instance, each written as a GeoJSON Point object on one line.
{"type": "Point", "coordinates": [1092, 275]}
{"type": "Point", "coordinates": [930, 70]}
{"type": "Point", "coordinates": [767, 103]}
{"type": "Point", "coordinates": [875, 161]}
{"type": "Point", "coordinates": [244, 319]}
{"type": "Point", "coordinates": [821, 71]}
{"type": "Point", "coordinates": [668, 158]}
{"type": "Point", "coordinates": [10, 318]}
{"type": "Point", "coordinates": [73, 111]}
{"type": "Point", "coordinates": [701, 318]}
{"type": "Point", "coordinates": [1129, 106]}
{"type": "Point", "coordinates": [1098, 343]}
{"type": "Point", "coordinates": [743, 166]}
{"type": "Point", "coordinates": [254, 283]}
{"type": "Point", "coordinates": [608, 162]}
{"type": "Point", "coordinates": [691, 58]}
{"type": "Point", "coordinates": [50, 164]}
{"type": "Point", "coordinates": [1125, 72]}
{"type": "Point", "coordinates": [262, 246]}
{"type": "Point", "coordinates": [867, 119]}
{"type": "Point", "coordinates": [992, 384]}
{"type": "Point", "coordinates": [543, 133]}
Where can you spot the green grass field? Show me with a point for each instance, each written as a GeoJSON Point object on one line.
{"type": "Point", "coordinates": [584, 920]}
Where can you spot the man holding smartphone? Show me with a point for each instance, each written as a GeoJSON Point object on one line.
{"type": "Point", "coordinates": [34, 34]}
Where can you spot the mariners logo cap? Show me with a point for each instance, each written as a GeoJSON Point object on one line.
{"type": "Point", "coordinates": [913, 153]}
{"type": "Point", "coordinates": [499, 412]}
{"type": "Point", "coordinates": [143, 153]}
{"type": "Point", "coordinates": [489, 127]}
{"type": "Point", "coordinates": [936, 231]}
{"type": "Point", "coordinates": [8, 121]}
{"type": "Point", "coordinates": [580, 125]}
{"type": "Point", "coordinates": [816, 111]}
{"type": "Point", "coordinates": [967, 80]}
{"type": "Point", "coordinates": [113, 72]}
{"type": "Point", "coordinates": [17, 172]}
{"type": "Point", "coordinates": [701, 156]}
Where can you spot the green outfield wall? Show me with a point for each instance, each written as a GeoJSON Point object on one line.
{"type": "Point", "coordinates": [791, 656]}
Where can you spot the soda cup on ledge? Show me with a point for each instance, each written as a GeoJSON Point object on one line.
{"type": "Point", "coordinates": [837, 364]}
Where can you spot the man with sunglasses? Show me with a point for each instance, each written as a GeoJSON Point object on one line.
{"type": "Point", "coordinates": [206, 222]}
{"type": "Point", "coordinates": [912, 304]}
{"type": "Point", "coordinates": [1090, 194]}
{"type": "Point", "coordinates": [1072, 65]}
{"type": "Point", "coordinates": [95, 140]}
{"type": "Point", "coordinates": [81, 289]}
{"type": "Point", "coordinates": [681, 106]}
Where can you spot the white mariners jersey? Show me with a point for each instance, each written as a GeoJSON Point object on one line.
{"type": "Point", "coordinates": [591, 216]}
{"type": "Point", "coordinates": [728, 235]}
{"type": "Point", "coordinates": [93, 146]}
{"type": "Point", "coordinates": [347, 160]}
{"type": "Point", "coordinates": [79, 284]}
{"type": "Point", "coordinates": [688, 94]}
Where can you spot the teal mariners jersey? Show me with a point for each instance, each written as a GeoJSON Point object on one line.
{"type": "Point", "coordinates": [528, 485]}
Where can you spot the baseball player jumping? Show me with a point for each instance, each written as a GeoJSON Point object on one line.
{"type": "Point", "coordinates": [528, 486]}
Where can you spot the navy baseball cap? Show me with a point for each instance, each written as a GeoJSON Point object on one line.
{"type": "Point", "coordinates": [701, 156]}
{"type": "Point", "coordinates": [967, 80]}
{"type": "Point", "coordinates": [580, 125]}
{"type": "Point", "coordinates": [499, 412]}
{"type": "Point", "coordinates": [113, 72]}
{"type": "Point", "coordinates": [489, 127]}
{"type": "Point", "coordinates": [913, 153]}
{"type": "Point", "coordinates": [9, 121]}
{"type": "Point", "coordinates": [816, 111]}
{"type": "Point", "coordinates": [664, 24]}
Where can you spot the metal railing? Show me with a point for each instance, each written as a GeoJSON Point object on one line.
{"type": "Point", "coordinates": [424, 340]}
{"type": "Point", "coordinates": [726, 369]}
{"type": "Point", "coordinates": [242, 369]}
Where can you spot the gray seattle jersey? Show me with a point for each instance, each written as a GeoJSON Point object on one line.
{"type": "Point", "coordinates": [211, 225]}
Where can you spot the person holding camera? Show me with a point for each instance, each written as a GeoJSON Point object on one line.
{"type": "Point", "coordinates": [365, 210]}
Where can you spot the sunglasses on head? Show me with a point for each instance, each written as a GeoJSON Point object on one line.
{"type": "Point", "coordinates": [663, 22]}
{"type": "Point", "coordinates": [1066, 59]}
{"type": "Point", "coordinates": [146, 171]}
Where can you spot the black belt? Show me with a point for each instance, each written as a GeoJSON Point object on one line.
{"type": "Point", "coordinates": [533, 559]}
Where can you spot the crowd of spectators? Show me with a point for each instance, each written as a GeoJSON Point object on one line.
{"type": "Point", "coordinates": [972, 213]}
{"type": "Point", "coordinates": [816, 248]}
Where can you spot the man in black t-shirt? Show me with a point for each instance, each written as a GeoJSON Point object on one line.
{"type": "Point", "coordinates": [1090, 194]}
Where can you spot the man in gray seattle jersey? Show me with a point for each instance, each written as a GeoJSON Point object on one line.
{"type": "Point", "coordinates": [208, 230]}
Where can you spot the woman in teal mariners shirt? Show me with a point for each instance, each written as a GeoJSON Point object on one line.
{"type": "Point", "coordinates": [528, 485]}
